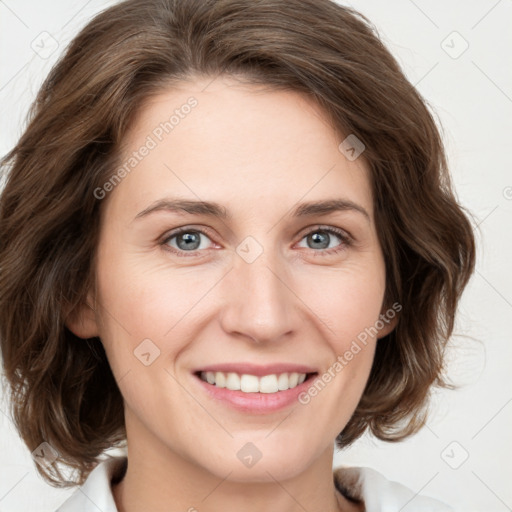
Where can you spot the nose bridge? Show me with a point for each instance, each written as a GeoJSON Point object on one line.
{"type": "Point", "coordinates": [259, 303]}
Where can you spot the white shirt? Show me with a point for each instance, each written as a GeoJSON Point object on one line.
{"type": "Point", "coordinates": [367, 485]}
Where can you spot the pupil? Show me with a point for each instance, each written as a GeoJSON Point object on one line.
{"type": "Point", "coordinates": [320, 237]}
{"type": "Point", "coordinates": [189, 240]}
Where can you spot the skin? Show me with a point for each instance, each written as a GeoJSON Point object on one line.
{"type": "Point", "coordinates": [258, 153]}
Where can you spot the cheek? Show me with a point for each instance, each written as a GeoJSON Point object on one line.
{"type": "Point", "coordinates": [348, 308]}
{"type": "Point", "coordinates": [346, 301]}
{"type": "Point", "coordinates": [140, 302]}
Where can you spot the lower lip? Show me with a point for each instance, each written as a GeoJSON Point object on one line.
{"type": "Point", "coordinates": [256, 402]}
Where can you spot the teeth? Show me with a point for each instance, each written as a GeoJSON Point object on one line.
{"type": "Point", "coordinates": [233, 382]}
{"type": "Point", "coordinates": [249, 384]}
{"type": "Point", "coordinates": [253, 384]}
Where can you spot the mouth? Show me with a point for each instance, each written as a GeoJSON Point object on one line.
{"type": "Point", "coordinates": [272, 383]}
{"type": "Point", "coordinates": [253, 394]}
{"type": "Point", "coordinates": [254, 389]}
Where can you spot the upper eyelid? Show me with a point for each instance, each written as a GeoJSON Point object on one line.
{"type": "Point", "coordinates": [326, 227]}
{"type": "Point", "coordinates": [184, 229]}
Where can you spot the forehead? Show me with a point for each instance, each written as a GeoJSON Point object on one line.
{"type": "Point", "coordinates": [230, 142]}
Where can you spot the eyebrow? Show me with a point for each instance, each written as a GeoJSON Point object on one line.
{"type": "Point", "coordinates": [212, 209]}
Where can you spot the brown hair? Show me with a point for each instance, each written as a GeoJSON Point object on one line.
{"type": "Point", "coordinates": [62, 389]}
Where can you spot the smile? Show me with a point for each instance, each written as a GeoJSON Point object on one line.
{"type": "Point", "coordinates": [253, 394]}
{"type": "Point", "coordinates": [273, 383]}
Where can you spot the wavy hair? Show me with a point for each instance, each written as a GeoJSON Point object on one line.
{"type": "Point", "coordinates": [62, 390]}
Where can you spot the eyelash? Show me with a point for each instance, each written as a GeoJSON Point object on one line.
{"type": "Point", "coordinates": [346, 240]}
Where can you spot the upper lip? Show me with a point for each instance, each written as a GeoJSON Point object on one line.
{"type": "Point", "coordinates": [258, 370]}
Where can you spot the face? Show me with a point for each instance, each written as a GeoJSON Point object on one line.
{"type": "Point", "coordinates": [185, 290]}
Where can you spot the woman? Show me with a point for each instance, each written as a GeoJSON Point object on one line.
{"type": "Point", "coordinates": [161, 284]}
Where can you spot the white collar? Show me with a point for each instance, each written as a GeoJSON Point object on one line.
{"type": "Point", "coordinates": [380, 494]}
{"type": "Point", "coordinates": [359, 483]}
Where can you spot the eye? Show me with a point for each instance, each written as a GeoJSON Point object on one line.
{"type": "Point", "coordinates": [185, 240]}
{"type": "Point", "coordinates": [189, 240]}
{"type": "Point", "coordinates": [321, 236]}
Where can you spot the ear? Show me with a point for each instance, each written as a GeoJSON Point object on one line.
{"type": "Point", "coordinates": [388, 317]}
{"type": "Point", "coordinates": [82, 320]}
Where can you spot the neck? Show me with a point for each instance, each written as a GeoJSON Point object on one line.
{"type": "Point", "coordinates": [168, 480]}
{"type": "Point", "coordinates": [161, 478]}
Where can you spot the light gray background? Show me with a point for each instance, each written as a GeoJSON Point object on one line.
{"type": "Point", "coordinates": [471, 92]}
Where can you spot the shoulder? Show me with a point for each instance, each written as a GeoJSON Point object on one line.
{"type": "Point", "coordinates": [96, 493]}
{"type": "Point", "coordinates": [380, 494]}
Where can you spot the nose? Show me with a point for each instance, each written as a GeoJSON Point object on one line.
{"type": "Point", "coordinates": [259, 302]}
